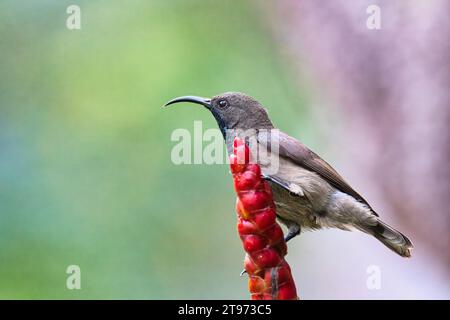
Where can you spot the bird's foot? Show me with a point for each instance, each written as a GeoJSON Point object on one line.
{"type": "Point", "coordinates": [293, 231]}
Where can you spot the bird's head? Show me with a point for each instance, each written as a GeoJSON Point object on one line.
{"type": "Point", "coordinates": [232, 110]}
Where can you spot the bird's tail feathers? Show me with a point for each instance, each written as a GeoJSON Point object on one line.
{"type": "Point", "coordinates": [391, 238]}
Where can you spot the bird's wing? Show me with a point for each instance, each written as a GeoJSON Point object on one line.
{"type": "Point", "coordinates": [298, 153]}
{"type": "Point", "coordinates": [292, 188]}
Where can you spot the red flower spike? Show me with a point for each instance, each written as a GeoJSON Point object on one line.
{"type": "Point", "coordinates": [246, 227]}
{"type": "Point", "coordinates": [262, 238]}
{"type": "Point", "coordinates": [275, 234]}
{"type": "Point", "coordinates": [253, 243]}
{"type": "Point", "coordinates": [256, 169]}
{"type": "Point", "coordinates": [256, 284]}
{"type": "Point", "coordinates": [265, 219]}
{"type": "Point", "coordinates": [250, 267]}
{"type": "Point", "coordinates": [281, 248]}
{"type": "Point", "coordinates": [247, 180]}
{"type": "Point", "coordinates": [287, 292]}
{"type": "Point", "coordinates": [255, 200]}
{"type": "Point", "coordinates": [235, 166]}
{"type": "Point", "coordinates": [267, 296]}
{"type": "Point", "coordinates": [282, 273]}
{"type": "Point", "coordinates": [242, 154]}
{"type": "Point", "coordinates": [241, 211]}
{"type": "Point", "coordinates": [267, 258]}
{"type": "Point", "coordinates": [238, 142]}
{"type": "Point", "coordinates": [267, 189]}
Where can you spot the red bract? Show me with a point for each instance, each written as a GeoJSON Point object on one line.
{"type": "Point", "coordinates": [255, 200]}
{"type": "Point", "coordinates": [246, 227]}
{"type": "Point", "coordinates": [270, 276]}
{"type": "Point", "coordinates": [265, 219]}
{"type": "Point", "coordinates": [253, 243]}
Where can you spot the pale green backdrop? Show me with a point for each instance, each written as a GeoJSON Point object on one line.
{"type": "Point", "coordinates": [85, 170]}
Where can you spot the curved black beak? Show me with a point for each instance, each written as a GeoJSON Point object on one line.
{"type": "Point", "coordinates": [206, 102]}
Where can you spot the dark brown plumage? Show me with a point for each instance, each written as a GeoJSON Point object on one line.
{"type": "Point", "coordinates": [308, 192]}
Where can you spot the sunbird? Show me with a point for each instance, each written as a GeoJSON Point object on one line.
{"type": "Point", "coordinates": [308, 192]}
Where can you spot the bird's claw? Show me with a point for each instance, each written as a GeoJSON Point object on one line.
{"type": "Point", "coordinates": [293, 231]}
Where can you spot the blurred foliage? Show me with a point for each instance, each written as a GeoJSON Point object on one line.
{"type": "Point", "coordinates": [85, 170]}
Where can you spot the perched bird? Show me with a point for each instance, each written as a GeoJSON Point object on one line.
{"type": "Point", "coordinates": [308, 192]}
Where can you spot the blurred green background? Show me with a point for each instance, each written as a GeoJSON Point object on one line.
{"type": "Point", "coordinates": [85, 170]}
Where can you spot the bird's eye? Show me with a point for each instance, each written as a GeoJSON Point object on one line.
{"type": "Point", "coordinates": [223, 103]}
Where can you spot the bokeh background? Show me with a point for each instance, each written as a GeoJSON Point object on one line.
{"type": "Point", "coordinates": [85, 171]}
